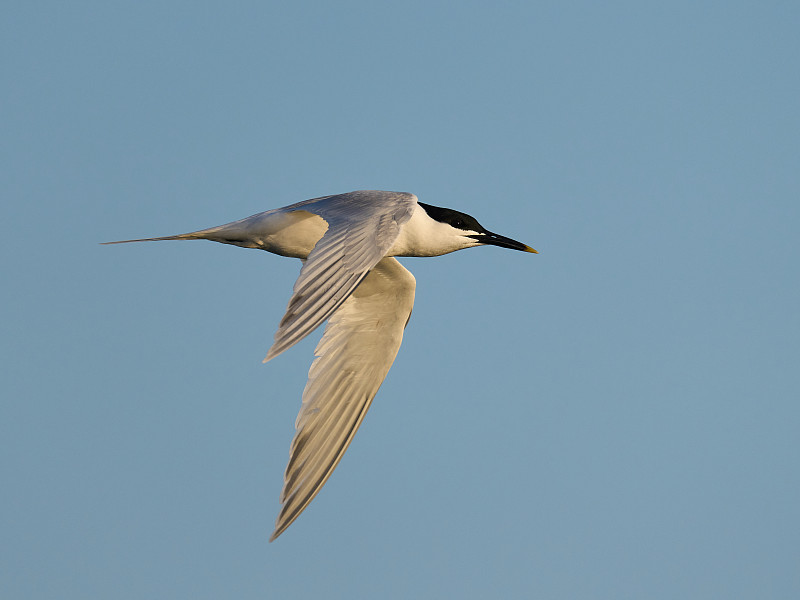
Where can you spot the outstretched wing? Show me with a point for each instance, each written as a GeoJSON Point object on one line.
{"type": "Point", "coordinates": [353, 357]}
{"type": "Point", "coordinates": [362, 226]}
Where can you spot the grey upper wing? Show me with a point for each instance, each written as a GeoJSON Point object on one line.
{"type": "Point", "coordinates": [354, 355]}
{"type": "Point", "coordinates": [362, 226]}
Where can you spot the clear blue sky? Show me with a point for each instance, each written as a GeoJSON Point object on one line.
{"type": "Point", "coordinates": [616, 417]}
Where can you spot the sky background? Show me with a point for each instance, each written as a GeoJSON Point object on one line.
{"type": "Point", "coordinates": [616, 417]}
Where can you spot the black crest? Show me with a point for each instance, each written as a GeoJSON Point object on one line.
{"type": "Point", "coordinates": [454, 218]}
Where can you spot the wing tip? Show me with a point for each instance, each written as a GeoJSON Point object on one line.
{"type": "Point", "coordinates": [274, 351]}
{"type": "Point", "coordinates": [281, 525]}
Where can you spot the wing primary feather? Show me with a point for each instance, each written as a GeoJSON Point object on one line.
{"type": "Point", "coordinates": [306, 323]}
{"type": "Point", "coordinates": [356, 351]}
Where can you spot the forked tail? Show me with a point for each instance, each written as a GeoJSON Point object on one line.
{"type": "Point", "coordinates": [230, 233]}
{"type": "Point", "coordinates": [182, 236]}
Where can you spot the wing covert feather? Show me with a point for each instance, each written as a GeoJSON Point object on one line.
{"type": "Point", "coordinates": [362, 226]}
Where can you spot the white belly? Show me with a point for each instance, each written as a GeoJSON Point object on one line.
{"type": "Point", "coordinates": [291, 234]}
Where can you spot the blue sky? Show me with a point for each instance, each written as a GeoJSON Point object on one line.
{"type": "Point", "coordinates": [616, 417]}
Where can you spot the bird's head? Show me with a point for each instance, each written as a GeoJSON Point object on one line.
{"type": "Point", "coordinates": [465, 231]}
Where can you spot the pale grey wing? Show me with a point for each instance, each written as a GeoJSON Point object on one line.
{"type": "Point", "coordinates": [354, 355]}
{"type": "Point", "coordinates": [362, 226]}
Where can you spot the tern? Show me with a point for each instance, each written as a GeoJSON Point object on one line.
{"type": "Point", "coordinates": [350, 279]}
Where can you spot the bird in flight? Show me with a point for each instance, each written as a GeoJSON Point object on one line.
{"type": "Point", "coordinates": [350, 278]}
